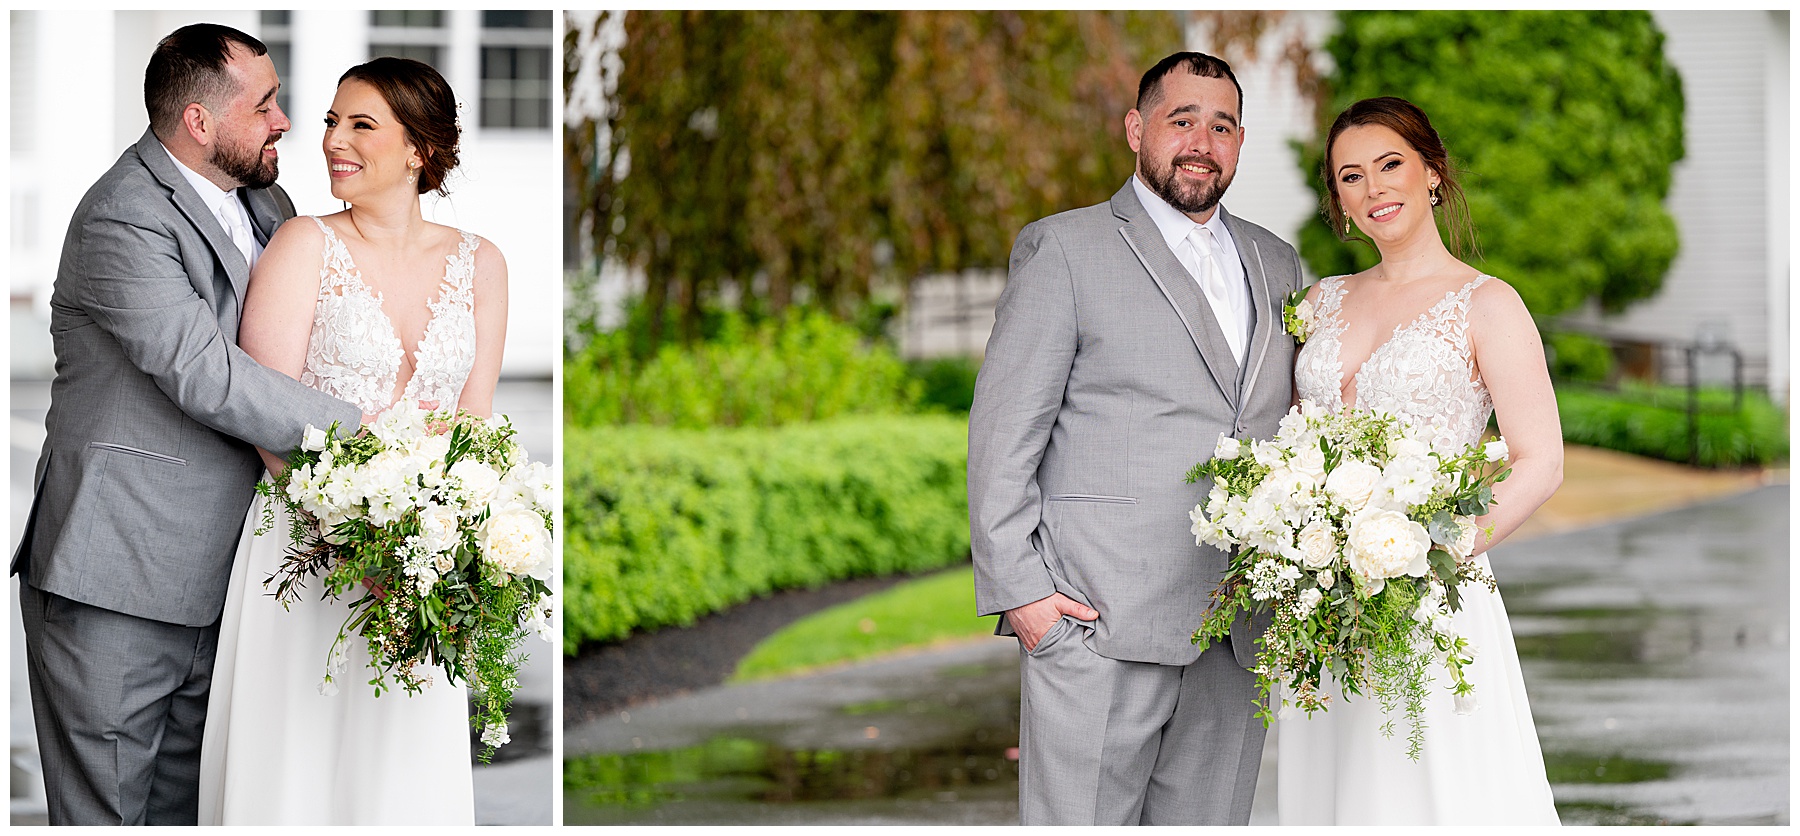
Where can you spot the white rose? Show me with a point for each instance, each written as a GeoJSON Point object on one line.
{"type": "Point", "coordinates": [1307, 316]}
{"type": "Point", "coordinates": [1385, 544]}
{"type": "Point", "coordinates": [1310, 461]}
{"type": "Point", "coordinates": [1318, 547]}
{"type": "Point", "coordinates": [1408, 447]}
{"type": "Point", "coordinates": [438, 530]}
{"type": "Point", "coordinates": [313, 440]}
{"type": "Point", "coordinates": [479, 483]}
{"type": "Point", "coordinates": [516, 541]}
{"type": "Point", "coordinates": [1353, 483]}
{"type": "Point", "coordinates": [1229, 448]}
{"type": "Point", "coordinates": [1326, 579]}
{"type": "Point", "coordinates": [1309, 599]}
{"type": "Point", "coordinates": [1495, 450]}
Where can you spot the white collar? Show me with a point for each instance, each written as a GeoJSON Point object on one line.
{"type": "Point", "coordinates": [1175, 224]}
{"type": "Point", "coordinates": [209, 192]}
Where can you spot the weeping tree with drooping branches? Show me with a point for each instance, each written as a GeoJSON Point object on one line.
{"type": "Point", "coordinates": [764, 159]}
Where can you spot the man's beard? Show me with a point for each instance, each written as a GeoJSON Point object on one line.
{"type": "Point", "coordinates": [1197, 199]}
{"type": "Point", "coordinates": [246, 168]}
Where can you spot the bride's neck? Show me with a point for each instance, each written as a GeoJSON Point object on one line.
{"type": "Point", "coordinates": [397, 219]}
{"type": "Point", "coordinates": [1422, 258]}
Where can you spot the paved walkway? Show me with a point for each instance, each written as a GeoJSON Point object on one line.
{"type": "Point", "coordinates": [1655, 652]}
{"type": "Point", "coordinates": [516, 789]}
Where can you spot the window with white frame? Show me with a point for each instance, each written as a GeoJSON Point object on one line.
{"type": "Point", "coordinates": [516, 81]}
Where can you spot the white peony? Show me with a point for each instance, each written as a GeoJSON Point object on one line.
{"type": "Point", "coordinates": [1385, 544]}
{"type": "Point", "coordinates": [1318, 546]}
{"type": "Point", "coordinates": [1353, 483]}
{"type": "Point", "coordinates": [516, 541]}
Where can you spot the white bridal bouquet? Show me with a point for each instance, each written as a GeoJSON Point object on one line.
{"type": "Point", "coordinates": [1358, 537]}
{"type": "Point", "coordinates": [444, 526]}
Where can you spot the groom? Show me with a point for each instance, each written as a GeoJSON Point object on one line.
{"type": "Point", "coordinates": [1130, 335]}
{"type": "Point", "coordinates": [148, 468]}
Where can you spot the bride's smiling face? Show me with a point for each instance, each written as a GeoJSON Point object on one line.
{"type": "Point", "coordinates": [1383, 184]}
{"type": "Point", "coordinates": [366, 148]}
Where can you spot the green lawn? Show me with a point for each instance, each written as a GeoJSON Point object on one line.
{"type": "Point", "coordinates": [933, 608]}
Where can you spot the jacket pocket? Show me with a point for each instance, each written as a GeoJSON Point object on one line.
{"type": "Point", "coordinates": [133, 451]}
{"type": "Point", "coordinates": [1090, 497]}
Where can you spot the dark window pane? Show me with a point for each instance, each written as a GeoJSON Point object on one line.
{"type": "Point", "coordinates": [422, 18]}
{"type": "Point", "coordinates": [511, 19]}
{"type": "Point", "coordinates": [276, 18]}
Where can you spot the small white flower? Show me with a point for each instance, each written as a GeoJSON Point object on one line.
{"type": "Point", "coordinates": [1326, 579]}
{"type": "Point", "coordinates": [1466, 703]}
{"type": "Point", "coordinates": [313, 440]}
{"type": "Point", "coordinates": [1495, 450]}
{"type": "Point", "coordinates": [541, 620]}
{"type": "Point", "coordinates": [1229, 448]}
{"type": "Point", "coordinates": [1309, 600]}
{"type": "Point", "coordinates": [495, 736]}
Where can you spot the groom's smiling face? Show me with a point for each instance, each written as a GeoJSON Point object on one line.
{"type": "Point", "coordinates": [249, 123]}
{"type": "Point", "coordinates": [1187, 140]}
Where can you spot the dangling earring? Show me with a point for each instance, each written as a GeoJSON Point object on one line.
{"type": "Point", "coordinates": [1347, 232]}
{"type": "Point", "coordinates": [412, 176]}
{"type": "Point", "coordinates": [1434, 196]}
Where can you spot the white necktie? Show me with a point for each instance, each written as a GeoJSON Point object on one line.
{"type": "Point", "coordinates": [1218, 291]}
{"type": "Point", "coordinates": [233, 220]}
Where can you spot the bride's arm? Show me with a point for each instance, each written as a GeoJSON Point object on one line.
{"type": "Point", "coordinates": [278, 309]}
{"type": "Point", "coordinates": [490, 330]}
{"type": "Point", "coordinates": [1509, 355]}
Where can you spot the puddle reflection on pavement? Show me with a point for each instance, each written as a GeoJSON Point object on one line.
{"type": "Point", "coordinates": [1657, 672]}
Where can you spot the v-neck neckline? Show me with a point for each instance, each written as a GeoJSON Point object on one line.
{"type": "Point", "coordinates": [1400, 329]}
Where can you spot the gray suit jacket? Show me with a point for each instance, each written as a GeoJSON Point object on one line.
{"type": "Point", "coordinates": [145, 478]}
{"type": "Point", "coordinates": [1106, 378]}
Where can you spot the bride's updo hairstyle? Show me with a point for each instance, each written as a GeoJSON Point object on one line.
{"type": "Point", "coordinates": [422, 101]}
{"type": "Point", "coordinates": [1407, 120]}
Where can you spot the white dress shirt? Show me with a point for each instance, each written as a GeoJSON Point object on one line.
{"type": "Point", "coordinates": [220, 201]}
{"type": "Point", "coordinates": [1233, 311]}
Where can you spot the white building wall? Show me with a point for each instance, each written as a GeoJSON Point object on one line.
{"type": "Point", "coordinates": [77, 102]}
{"type": "Point", "coordinates": [1730, 192]}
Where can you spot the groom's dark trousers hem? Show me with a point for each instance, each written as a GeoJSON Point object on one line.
{"type": "Point", "coordinates": [1110, 742]}
{"type": "Point", "coordinates": [118, 733]}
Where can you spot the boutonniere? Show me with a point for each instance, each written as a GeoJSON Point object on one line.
{"type": "Point", "coordinates": [1298, 317]}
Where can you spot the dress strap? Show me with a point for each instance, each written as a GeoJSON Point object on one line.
{"type": "Point", "coordinates": [337, 272]}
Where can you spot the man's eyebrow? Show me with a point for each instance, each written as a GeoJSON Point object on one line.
{"type": "Point", "coordinates": [1194, 108]}
{"type": "Point", "coordinates": [269, 95]}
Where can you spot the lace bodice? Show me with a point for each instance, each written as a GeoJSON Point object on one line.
{"type": "Point", "coordinates": [1424, 374]}
{"type": "Point", "coordinates": [354, 353]}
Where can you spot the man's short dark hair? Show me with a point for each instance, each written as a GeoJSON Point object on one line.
{"type": "Point", "coordinates": [1194, 63]}
{"type": "Point", "coordinates": [188, 66]}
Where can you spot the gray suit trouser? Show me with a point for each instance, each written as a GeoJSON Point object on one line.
{"type": "Point", "coordinates": [1109, 742]}
{"type": "Point", "coordinates": [119, 733]}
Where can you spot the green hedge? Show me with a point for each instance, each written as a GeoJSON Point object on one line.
{"type": "Point", "coordinates": [804, 366]}
{"type": "Point", "coordinates": [948, 382]}
{"type": "Point", "coordinates": [1653, 422]}
{"type": "Point", "coordinates": [666, 525]}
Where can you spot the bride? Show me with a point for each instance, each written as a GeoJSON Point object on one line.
{"type": "Point", "coordinates": [372, 305]}
{"type": "Point", "coordinates": [1430, 339]}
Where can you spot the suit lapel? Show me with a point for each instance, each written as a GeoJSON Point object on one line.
{"type": "Point", "coordinates": [1262, 299]}
{"type": "Point", "coordinates": [265, 215]}
{"type": "Point", "coordinates": [157, 160]}
{"type": "Point", "coordinates": [1178, 286]}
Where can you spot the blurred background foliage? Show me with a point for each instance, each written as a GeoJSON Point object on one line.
{"type": "Point", "coordinates": [760, 159]}
{"type": "Point", "coordinates": [1566, 122]}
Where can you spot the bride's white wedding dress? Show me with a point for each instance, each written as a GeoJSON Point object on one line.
{"type": "Point", "coordinates": [1336, 767]}
{"type": "Point", "coordinates": [276, 750]}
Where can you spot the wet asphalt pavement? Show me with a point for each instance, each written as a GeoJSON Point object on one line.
{"type": "Point", "coordinates": [1655, 653]}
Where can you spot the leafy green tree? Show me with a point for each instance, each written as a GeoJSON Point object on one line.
{"type": "Point", "coordinates": [1567, 123]}
{"type": "Point", "coordinates": [778, 158]}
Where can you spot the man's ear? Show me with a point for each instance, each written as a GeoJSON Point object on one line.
{"type": "Point", "coordinates": [197, 121]}
{"type": "Point", "coordinates": [1134, 129]}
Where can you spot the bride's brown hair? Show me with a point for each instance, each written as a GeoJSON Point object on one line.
{"type": "Point", "coordinates": [1414, 127]}
{"type": "Point", "coordinates": [422, 101]}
